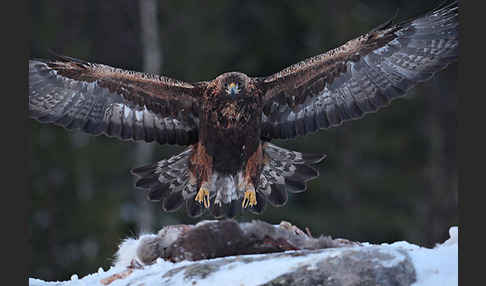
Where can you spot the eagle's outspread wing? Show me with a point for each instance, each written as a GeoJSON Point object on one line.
{"type": "Point", "coordinates": [359, 77]}
{"type": "Point", "coordinates": [99, 99]}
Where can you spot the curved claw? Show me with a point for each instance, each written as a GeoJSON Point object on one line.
{"type": "Point", "coordinates": [203, 196]}
{"type": "Point", "coordinates": [249, 198]}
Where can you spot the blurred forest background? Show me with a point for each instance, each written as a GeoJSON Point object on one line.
{"type": "Point", "coordinates": [389, 176]}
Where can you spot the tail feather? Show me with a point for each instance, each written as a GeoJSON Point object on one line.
{"type": "Point", "coordinates": [148, 182]}
{"type": "Point", "coordinates": [278, 195]}
{"type": "Point", "coordinates": [173, 202]}
{"type": "Point", "coordinates": [144, 170]}
{"type": "Point", "coordinates": [286, 172]}
{"type": "Point", "coordinates": [158, 193]}
{"type": "Point", "coordinates": [303, 173]}
{"type": "Point", "coordinates": [295, 186]}
{"type": "Point", "coordinates": [284, 155]}
{"type": "Point", "coordinates": [167, 181]}
{"type": "Point", "coordinates": [310, 158]}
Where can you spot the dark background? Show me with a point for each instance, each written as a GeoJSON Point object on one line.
{"type": "Point", "coordinates": [389, 176]}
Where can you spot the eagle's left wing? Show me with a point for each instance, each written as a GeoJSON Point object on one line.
{"type": "Point", "coordinates": [100, 99]}
{"type": "Point", "coordinates": [359, 77]}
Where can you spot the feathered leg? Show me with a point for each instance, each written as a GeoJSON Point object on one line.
{"type": "Point", "coordinates": [201, 168]}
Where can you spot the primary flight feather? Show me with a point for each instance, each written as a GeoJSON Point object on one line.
{"type": "Point", "coordinates": [228, 123]}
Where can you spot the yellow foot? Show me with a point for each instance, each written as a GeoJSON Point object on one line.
{"type": "Point", "coordinates": [250, 198]}
{"type": "Point", "coordinates": [203, 196]}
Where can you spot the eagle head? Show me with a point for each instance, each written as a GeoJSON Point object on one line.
{"type": "Point", "coordinates": [233, 84]}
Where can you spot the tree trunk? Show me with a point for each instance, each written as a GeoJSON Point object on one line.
{"type": "Point", "coordinates": [152, 61]}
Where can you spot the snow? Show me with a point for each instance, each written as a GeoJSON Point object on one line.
{"type": "Point", "coordinates": [236, 272]}
{"type": "Point", "coordinates": [433, 266]}
{"type": "Point", "coordinates": [438, 266]}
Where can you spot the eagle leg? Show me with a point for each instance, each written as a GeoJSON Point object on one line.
{"type": "Point", "coordinates": [200, 167]}
{"type": "Point", "coordinates": [249, 198]}
{"type": "Point", "coordinates": [203, 195]}
{"type": "Point", "coordinates": [252, 171]}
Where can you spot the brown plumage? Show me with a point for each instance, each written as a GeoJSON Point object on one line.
{"type": "Point", "coordinates": [227, 123]}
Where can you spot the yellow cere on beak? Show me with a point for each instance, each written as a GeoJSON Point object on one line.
{"type": "Point", "coordinates": [232, 89]}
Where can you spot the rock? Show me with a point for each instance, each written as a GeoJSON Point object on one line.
{"type": "Point", "coordinates": [337, 262]}
{"type": "Point", "coordinates": [353, 267]}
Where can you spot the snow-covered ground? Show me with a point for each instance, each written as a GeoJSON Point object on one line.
{"type": "Point", "coordinates": [436, 266]}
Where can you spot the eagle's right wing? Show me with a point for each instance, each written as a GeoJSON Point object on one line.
{"type": "Point", "coordinates": [361, 76]}
{"type": "Point", "coordinates": [99, 99]}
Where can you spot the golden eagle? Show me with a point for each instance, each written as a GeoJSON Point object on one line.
{"type": "Point", "coordinates": [228, 122]}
